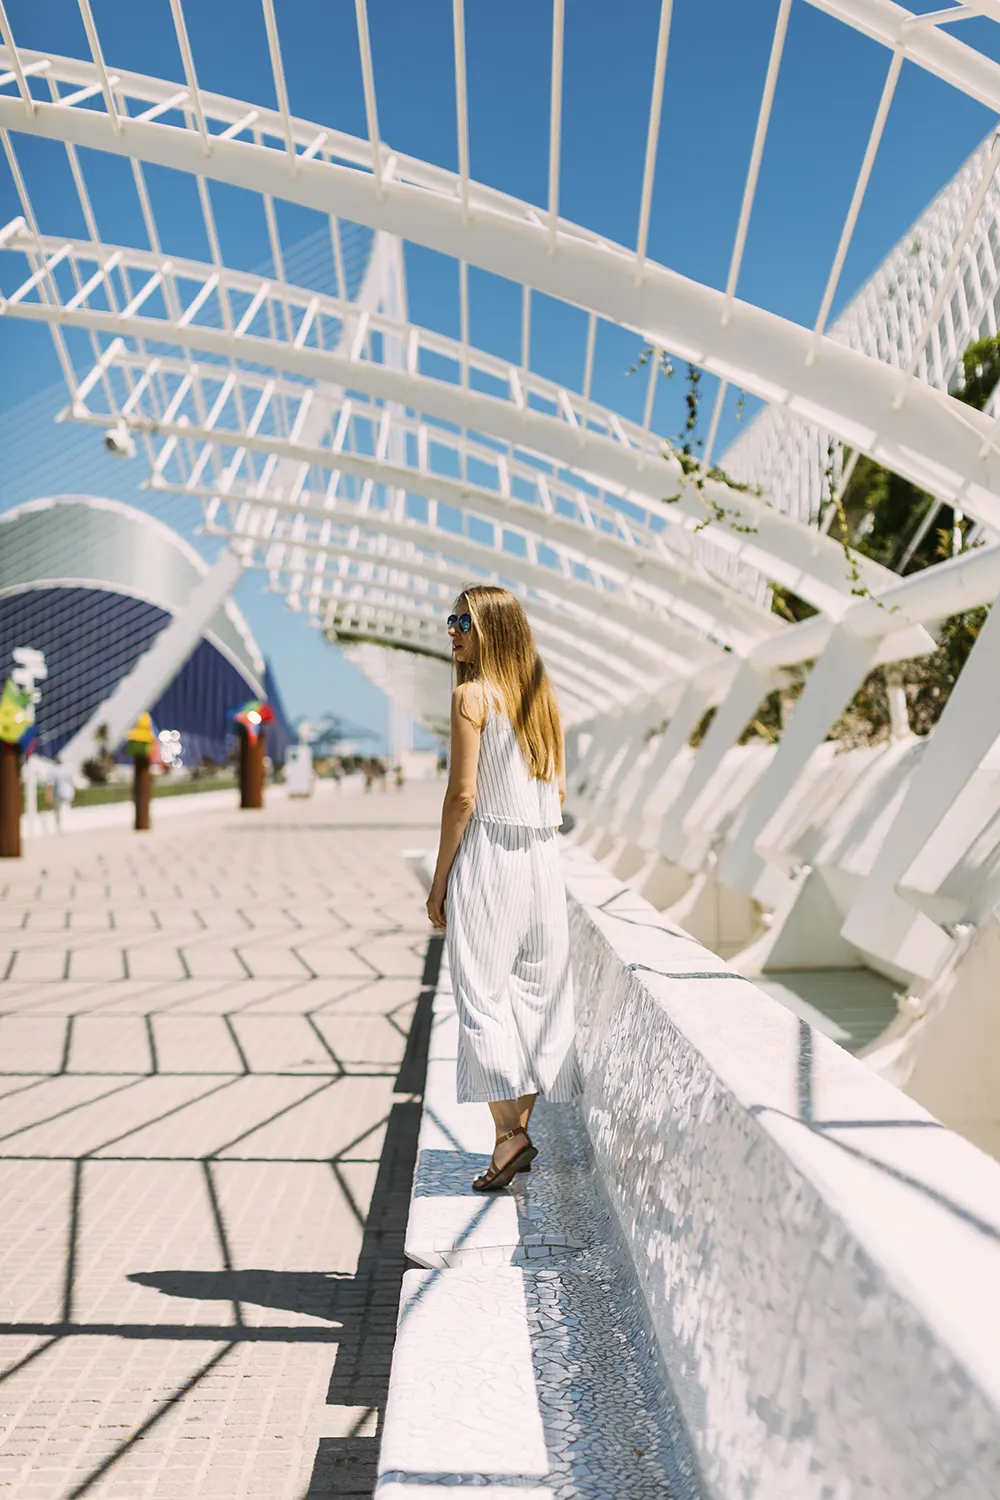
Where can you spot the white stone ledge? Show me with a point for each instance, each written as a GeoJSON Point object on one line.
{"type": "Point", "coordinates": [820, 1259]}
{"type": "Point", "coordinates": [455, 1402]}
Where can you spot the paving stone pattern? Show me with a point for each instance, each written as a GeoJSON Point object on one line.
{"type": "Point", "coordinates": [208, 1117]}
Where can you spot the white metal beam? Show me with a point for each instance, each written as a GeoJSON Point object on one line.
{"type": "Point", "coordinates": [697, 602]}
{"type": "Point", "coordinates": [617, 607]}
{"type": "Point", "coordinates": [368, 600]}
{"type": "Point", "coordinates": [880, 921]}
{"type": "Point", "coordinates": [748, 688]}
{"type": "Point", "coordinates": [832, 683]}
{"type": "Point", "coordinates": [432, 581]}
{"type": "Point", "coordinates": [932, 440]}
{"type": "Point", "coordinates": [402, 591]}
{"type": "Point", "coordinates": [809, 563]}
{"type": "Point", "coordinates": [688, 714]}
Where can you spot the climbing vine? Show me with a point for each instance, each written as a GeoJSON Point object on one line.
{"type": "Point", "coordinates": [835, 498]}
{"type": "Point", "coordinates": [686, 448]}
{"type": "Point", "coordinates": [982, 367]}
{"type": "Point", "coordinates": [876, 514]}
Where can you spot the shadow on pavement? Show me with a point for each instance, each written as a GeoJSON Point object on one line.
{"type": "Point", "coordinates": [363, 1308]}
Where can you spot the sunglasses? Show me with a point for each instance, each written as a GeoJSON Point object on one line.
{"type": "Point", "coordinates": [464, 623]}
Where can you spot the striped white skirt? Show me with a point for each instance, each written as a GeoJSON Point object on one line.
{"type": "Point", "coordinates": [508, 949]}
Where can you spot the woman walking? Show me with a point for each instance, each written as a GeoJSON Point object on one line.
{"type": "Point", "coordinates": [498, 889]}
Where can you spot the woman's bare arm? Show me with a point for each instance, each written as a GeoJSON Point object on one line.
{"type": "Point", "coordinates": [466, 728]}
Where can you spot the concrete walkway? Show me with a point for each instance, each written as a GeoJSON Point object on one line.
{"type": "Point", "coordinates": [208, 1122]}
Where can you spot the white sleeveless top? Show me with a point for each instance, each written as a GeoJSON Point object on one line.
{"type": "Point", "coordinates": [506, 791]}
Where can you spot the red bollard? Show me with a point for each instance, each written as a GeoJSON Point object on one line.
{"type": "Point", "coordinates": [10, 801]}
{"type": "Point", "coordinates": [142, 791]}
{"type": "Point", "coordinates": [252, 769]}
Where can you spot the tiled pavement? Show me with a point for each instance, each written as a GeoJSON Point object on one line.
{"type": "Point", "coordinates": [208, 1115]}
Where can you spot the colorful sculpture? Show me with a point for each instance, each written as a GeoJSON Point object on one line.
{"type": "Point", "coordinates": [251, 716]}
{"type": "Point", "coordinates": [17, 714]}
{"type": "Point", "coordinates": [17, 739]}
{"type": "Point", "coordinates": [143, 740]}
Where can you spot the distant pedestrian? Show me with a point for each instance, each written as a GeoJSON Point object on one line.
{"type": "Point", "coordinates": [399, 777]}
{"type": "Point", "coordinates": [63, 793]}
{"type": "Point", "coordinates": [498, 888]}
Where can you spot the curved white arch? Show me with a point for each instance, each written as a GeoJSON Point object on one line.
{"type": "Point", "coordinates": [926, 436]}
{"type": "Point", "coordinates": [675, 653]}
{"type": "Point", "coordinates": [609, 681]}
{"type": "Point", "coordinates": [393, 633]}
{"type": "Point", "coordinates": [405, 581]}
{"type": "Point", "coordinates": [921, 434]}
{"type": "Point", "coordinates": [88, 541]}
{"type": "Point", "coordinates": [692, 601]}
{"type": "Point", "coordinates": [406, 616]}
{"type": "Point", "coordinates": [704, 602]}
{"type": "Point", "coordinates": [633, 464]}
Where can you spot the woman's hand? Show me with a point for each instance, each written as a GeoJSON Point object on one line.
{"type": "Point", "coordinates": [435, 905]}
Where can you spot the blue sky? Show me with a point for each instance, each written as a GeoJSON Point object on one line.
{"type": "Point", "coordinates": [829, 87]}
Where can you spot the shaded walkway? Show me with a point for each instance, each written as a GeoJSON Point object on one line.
{"type": "Point", "coordinates": [208, 1123]}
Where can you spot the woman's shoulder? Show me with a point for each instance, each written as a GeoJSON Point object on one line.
{"type": "Point", "coordinates": [469, 699]}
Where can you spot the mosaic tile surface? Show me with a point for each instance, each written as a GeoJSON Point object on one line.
{"type": "Point", "coordinates": [805, 1363]}
{"type": "Point", "coordinates": [541, 1215]}
{"type": "Point", "coordinates": [544, 1391]}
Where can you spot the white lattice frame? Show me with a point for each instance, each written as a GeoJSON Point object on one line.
{"type": "Point", "coordinates": [855, 398]}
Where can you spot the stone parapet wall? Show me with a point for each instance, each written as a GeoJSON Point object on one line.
{"type": "Point", "coordinates": [820, 1258]}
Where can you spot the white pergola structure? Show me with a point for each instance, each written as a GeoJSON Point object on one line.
{"type": "Point", "coordinates": [936, 292]}
{"type": "Point", "coordinates": [370, 466]}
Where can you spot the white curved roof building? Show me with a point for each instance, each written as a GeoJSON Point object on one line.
{"type": "Point", "coordinates": [91, 583]}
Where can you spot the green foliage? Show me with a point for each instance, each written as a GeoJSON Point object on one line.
{"type": "Point", "coordinates": [789, 606]}
{"type": "Point", "coordinates": [881, 512]}
{"type": "Point", "coordinates": [701, 728]}
{"type": "Point", "coordinates": [927, 683]}
{"type": "Point", "coordinates": [878, 514]}
{"type": "Point", "coordinates": [766, 723]}
{"type": "Point", "coordinates": [980, 372]}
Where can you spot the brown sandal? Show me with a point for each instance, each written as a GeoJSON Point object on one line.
{"type": "Point", "coordinates": [496, 1177]}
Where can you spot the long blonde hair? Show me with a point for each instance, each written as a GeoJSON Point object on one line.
{"type": "Point", "coordinates": [509, 664]}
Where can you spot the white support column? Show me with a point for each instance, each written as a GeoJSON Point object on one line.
{"type": "Point", "coordinates": [694, 704]}
{"type": "Point", "coordinates": [833, 681]}
{"type": "Point", "coordinates": [899, 714]}
{"type": "Point", "coordinates": [601, 748]}
{"type": "Point", "coordinates": [881, 921]}
{"type": "Point", "coordinates": [635, 725]}
{"type": "Point", "coordinates": [139, 689]}
{"type": "Point", "coordinates": [749, 686]}
{"type": "Point", "coordinates": [605, 779]}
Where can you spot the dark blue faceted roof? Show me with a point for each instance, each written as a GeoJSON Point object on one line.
{"type": "Point", "coordinates": [91, 638]}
